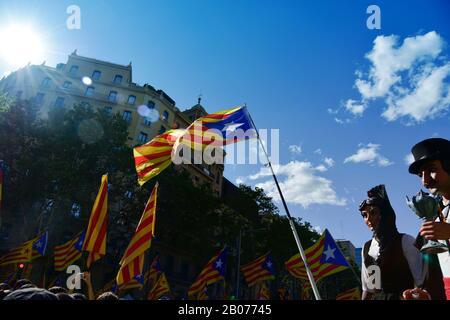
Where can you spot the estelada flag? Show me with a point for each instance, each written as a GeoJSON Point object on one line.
{"type": "Point", "coordinates": [132, 262]}
{"type": "Point", "coordinates": [20, 254]}
{"type": "Point", "coordinates": [216, 129]}
{"type": "Point", "coordinates": [258, 270]}
{"type": "Point", "coordinates": [95, 241]}
{"type": "Point", "coordinates": [69, 252]}
{"type": "Point", "coordinates": [351, 294]}
{"type": "Point", "coordinates": [324, 259]}
{"type": "Point", "coordinates": [160, 288]}
{"type": "Point", "coordinates": [213, 271]}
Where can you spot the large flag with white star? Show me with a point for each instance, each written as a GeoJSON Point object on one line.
{"type": "Point", "coordinates": [213, 272]}
{"type": "Point", "coordinates": [214, 130]}
{"type": "Point", "coordinates": [69, 252]}
{"type": "Point", "coordinates": [324, 259]}
{"type": "Point", "coordinates": [259, 269]}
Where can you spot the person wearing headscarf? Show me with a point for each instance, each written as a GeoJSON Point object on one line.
{"type": "Point", "coordinates": [391, 263]}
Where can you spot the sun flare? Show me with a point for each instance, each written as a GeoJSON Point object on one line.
{"type": "Point", "coordinates": [20, 44]}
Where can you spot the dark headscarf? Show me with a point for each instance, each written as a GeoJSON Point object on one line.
{"type": "Point", "coordinates": [386, 231]}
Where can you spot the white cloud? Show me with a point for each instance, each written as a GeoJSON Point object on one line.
{"type": "Point", "coordinates": [409, 158]}
{"type": "Point", "coordinates": [369, 154]}
{"type": "Point", "coordinates": [321, 168]}
{"type": "Point", "coordinates": [354, 107]}
{"type": "Point", "coordinates": [300, 184]}
{"type": "Point", "coordinates": [318, 151]}
{"type": "Point", "coordinates": [240, 180]}
{"type": "Point", "coordinates": [329, 162]}
{"type": "Point", "coordinates": [295, 149]}
{"type": "Point", "coordinates": [387, 61]}
{"type": "Point", "coordinates": [428, 98]}
{"type": "Point", "coordinates": [332, 111]}
{"type": "Point", "coordinates": [411, 77]}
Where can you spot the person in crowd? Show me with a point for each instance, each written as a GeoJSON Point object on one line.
{"type": "Point", "coordinates": [432, 165]}
{"type": "Point", "coordinates": [391, 263]}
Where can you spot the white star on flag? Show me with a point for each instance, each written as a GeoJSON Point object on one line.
{"type": "Point", "coordinates": [231, 126]}
{"type": "Point", "coordinates": [269, 264]}
{"type": "Point", "coordinates": [329, 253]}
{"type": "Point", "coordinates": [218, 264]}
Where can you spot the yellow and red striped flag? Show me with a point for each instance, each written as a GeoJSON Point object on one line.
{"type": "Point", "coordinates": [69, 252]}
{"type": "Point", "coordinates": [324, 258]}
{"type": "Point", "coordinates": [203, 294]}
{"type": "Point", "coordinates": [305, 291]}
{"type": "Point", "coordinates": [351, 294]}
{"type": "Point", "coordinates": [154, 156]}
{"type": "Point", "coordinates": [95, 241]}
{"type": "Point", "coordinates": [160, 288]}
{"type": "Point", "coordinates": [258, 270]}
{"type": "Point", "coordinates": [132, 261]}
{"type": "Point", "coordinates": [213, 272]}
{"type": "Point", "coordinates": [21, 254]}
{"type": "Point", "coordinates": [216, 129]}
{"type": "Point", "coordinates": [264, 293]}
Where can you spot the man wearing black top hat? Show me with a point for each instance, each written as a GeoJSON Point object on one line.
{"type": "Point", "coordinates": [432, 164]}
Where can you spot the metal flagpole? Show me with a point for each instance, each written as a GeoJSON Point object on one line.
{"type": "Point", "coordinates": [291, 221]}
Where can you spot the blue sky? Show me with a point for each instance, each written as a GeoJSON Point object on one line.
{"type": "Point", "coordinates": [349, 102]}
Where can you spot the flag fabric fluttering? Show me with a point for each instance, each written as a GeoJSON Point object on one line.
{"type": "Point", "coordinates": [160, 288]}
{"type": "Point", "coordinates": [132, 262]}
{"type": "Point", "coordinates": [213, 272]}
{"type": "Point", "coordinates": [150, 277]}
{"type": "Point", "coordinates": [216, 129]}
{"type": "Point", "coordinates": [305, 291]}
{"type": "Point", "coordinates": [324, 258]}
{"type": "Point", "coordinates": [40, 246]}
{"type": "Point", "coordinates": [264, 293]}
{"type": "Point", "coordinates": [219, 129]}
{"type": "Point", "coordinates": [21, 254]}
{"type": "Point", "coordinates": [351, 294]}
{"type": "Point", "coordinates": [155, 156]}
{"type": "Point", "coordinates": [95, 240]}
{"type": "Point", "coordinates": [203, 294]}
{"type": "Point", "coordinates": [69, 252]}
{"type": "Point", "coordinates": [258, 270]}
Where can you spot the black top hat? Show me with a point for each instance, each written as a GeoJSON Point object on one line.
{"type": "Point", "coordinates": [429, 149]}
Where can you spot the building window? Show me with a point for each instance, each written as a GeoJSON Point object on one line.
{"type": "Point", "coordinates": [96, 75]}
{"type": "Point", "coordinates": [112, 96]}
{"type": "Point", "coordinates": [73, 70]}
{"type": "Point", "coordinates": [108, 109]}
{"type": "Point", "coordinates": [165, 116]}
{"type": "Point", "coordinates": [151, 104]}
{"type": "Point", "coordinates": [39, 99]}
{"type": "Point", "coordinates": [143, 137]}
{"type": "Point", "coordinates": [196, 179]}
{"type": "Point", "coordinates": [126, 116]}
{"type": "Point", "coordinates": [67, 85]}
{"type": "Point", "coordinates": [131, 99]}
{"type": "Point", "coordinates": [59, 102]}
{"type": "Point", "coordinates": [89, 91]}
{"type": "Point", "coordinates": [162, 129]}
{"type": "Point", "coordinates": [46, 82]}
{"type": "Point", "coordinates": [19, 94]}
{"type": "Point", "coordinates": [118, 79]}
{"type": "Point", "coordinates": [147, 122]}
